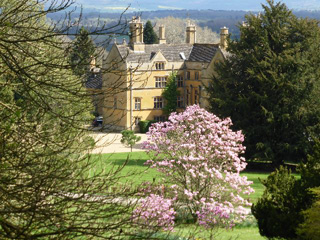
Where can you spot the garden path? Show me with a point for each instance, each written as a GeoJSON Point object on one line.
{"type": "Point", "coordinates": [110, 143]}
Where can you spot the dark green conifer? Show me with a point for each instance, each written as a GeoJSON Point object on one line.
{"type": "Point", "coordinates": [82, 52]}
{"type": "Point", "coordinates": [149, 36]}
{"type": "Point", "coordinates": [269, 85]}
{"type": "Point", "coordinates": [170, 95]}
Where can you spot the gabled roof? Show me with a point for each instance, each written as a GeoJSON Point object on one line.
{"type": "Point", "coordinates": [172, 52]}
{"type": "Point", "coordinates": [203, 52]}
{"type": "Point", "coordinates": [94, 80]}
{"type": "Point", "coordinates": [158, 56]}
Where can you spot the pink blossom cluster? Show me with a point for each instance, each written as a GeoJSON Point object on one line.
{"type": "Point", "coordinates": [212, 214]}
{"type": "Point", "coordinates": [201, 155]}
{"type": "Point", "coordinates": [154, 212]}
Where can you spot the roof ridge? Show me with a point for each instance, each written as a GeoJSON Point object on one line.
{"type": "Point", "coordinates": [201, 52]}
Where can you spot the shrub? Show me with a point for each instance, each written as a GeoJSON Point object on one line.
{"type": "Point", "coordinates": [310, 178]}
{"type": "Point", "coordinates": [129, 138]}
{"type": "Point", "coordinates": [145, 125]}
{"type": "Point", "coordinates": [310, 229]}
{"type": "Point", "coordinates": [277, 211]}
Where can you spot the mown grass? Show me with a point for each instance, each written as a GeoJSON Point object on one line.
{"type": "Point", "coordinates": [136, 162]}
{"type": "Point", "coordinates": [237, 233]}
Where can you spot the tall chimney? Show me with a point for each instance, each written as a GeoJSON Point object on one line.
{"type": "Point", "coordinates": [136, 38]}
{"type": "Point", "coordinates": [162, 35]}
{"type": "Point", "coordinates": [224, 32]}
{"type": "Point", "coordinates": [92, 63]}
{"type": "Point", "coordinates": [191, 33]}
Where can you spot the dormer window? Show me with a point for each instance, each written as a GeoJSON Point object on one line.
{"type": "Point", "coordinates": [160, 65]}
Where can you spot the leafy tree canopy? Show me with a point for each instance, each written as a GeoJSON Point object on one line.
{"type": "Point", "coordinates": [269, 85]}
{"type": "Point", "coordinates": [176, 30]}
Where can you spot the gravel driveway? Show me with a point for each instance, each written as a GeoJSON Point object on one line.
{"type": "Point", "coordinates": [110, 143]}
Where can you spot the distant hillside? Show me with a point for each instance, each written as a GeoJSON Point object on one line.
{"type": "Point", "coordinates": [214, 19]}
{"type": "Point", "coordinates": [192, 14]}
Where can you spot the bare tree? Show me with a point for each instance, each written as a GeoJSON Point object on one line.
{"type": "Point", "coordinates": [176, 30]}
{"type": "Point", "coordinates": [48, 186]}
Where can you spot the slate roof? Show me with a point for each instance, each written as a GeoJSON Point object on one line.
{"type": "Point", "coordinates": [203, 52]}
{"type": "Point", "coordinates": [196, 53]}
{"type": "Point", "coordinates": [94, 80]}
{"type": "Point", "coordinates": [170, 51]}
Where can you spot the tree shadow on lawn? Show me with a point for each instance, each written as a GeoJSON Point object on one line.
{"type": "Point", "coordinates": [134, 159]}
{"type": "Point", "coordinates": [131, 162]}
{"type": "Point", "coordinates": [137, 146]}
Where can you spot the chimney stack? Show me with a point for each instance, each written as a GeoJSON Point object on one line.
{"type": "Point", "coordinates": [224, 32]}
{"type": "Point", "coordinates": [191, 33]}
{"type": "Point", "coordinates": [136, 31]}
{"type": "Point", "coordinates": [92, 63]}
{"type": "Point", "coordinates": [162, 35]}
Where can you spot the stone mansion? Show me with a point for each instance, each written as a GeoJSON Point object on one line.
{"type": "Point", "coordinates": [137, 73]}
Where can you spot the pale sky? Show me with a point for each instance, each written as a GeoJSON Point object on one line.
{"type": "Point", "coordinates": [145, 5]}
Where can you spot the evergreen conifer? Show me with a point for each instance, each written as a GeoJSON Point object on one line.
{"type": "Point", "coordinates": [82, 53]}
{"type": "Point", "coordinates": [149, 36]}
{"type": "Point", "coordinates": [269, 85]}
{"type": "Point", "coordinates": [170, 95]}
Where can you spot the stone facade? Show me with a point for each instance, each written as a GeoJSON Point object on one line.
{"type": "Point", "coordinates": [136, 74]}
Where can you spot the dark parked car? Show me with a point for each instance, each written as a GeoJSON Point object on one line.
{"type": "Point", "coordinates": [97, 122]}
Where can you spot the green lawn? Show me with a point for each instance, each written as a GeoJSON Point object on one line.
{"type": "Point", "coordinates": [135, 164]}
{"type": "Point", "coordinates": [237, 233]}
{"type": "Point", "coordinates": [249, 233]}
{"type": "Point", "coordinates": [257, 186]}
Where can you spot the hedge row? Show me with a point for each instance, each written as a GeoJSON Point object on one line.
{"type": "Point", "coordinates": [144, 125]}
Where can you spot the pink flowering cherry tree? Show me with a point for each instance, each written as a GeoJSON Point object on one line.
{"type": "Point", "coordinates": [200, 157]}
